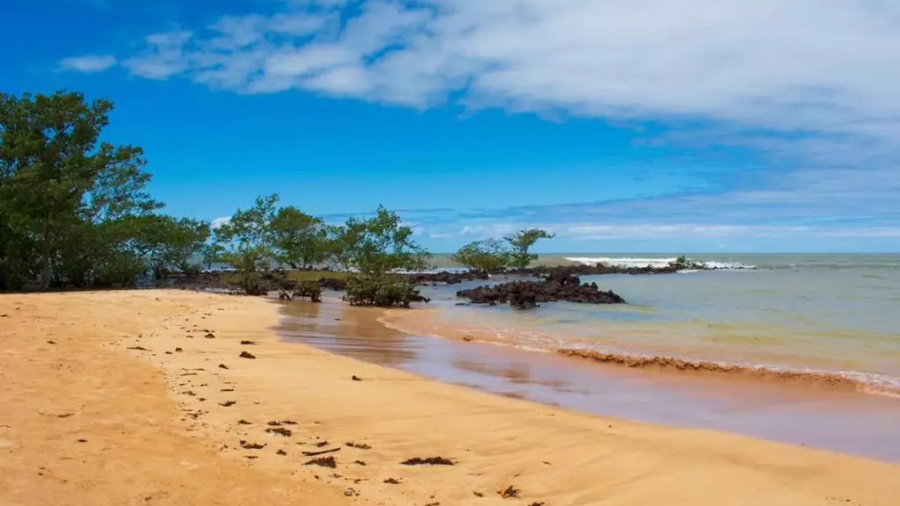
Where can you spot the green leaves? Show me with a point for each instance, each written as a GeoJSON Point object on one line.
{"type": "Point", "coordinates": [520, 244]}
{"type": "Point", "coordinates": [298, 239]}
{"type": "Point", "coordinates": [75, 210]}
{"type": "Point", "coordinates": [379, 245]}
{"type": "Point", "coordinates": [489, 255]}
{"type": "Point", "coordinates": [492, 255]}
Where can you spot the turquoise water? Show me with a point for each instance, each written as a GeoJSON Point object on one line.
{"type": "Point", "coordinates": [826, 313]}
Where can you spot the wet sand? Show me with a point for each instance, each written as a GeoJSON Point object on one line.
{"type": "Point", "coordinates": [144, 398]}
{"type": "Point", "coordinates": [823, 416]}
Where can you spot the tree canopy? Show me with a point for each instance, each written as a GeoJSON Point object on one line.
{"type": "Point", "coordinates": [74, 211]}
{"type": "Point", "coordinates": [489, 255]}
{"type": "Point", "coordinates": [520, 245]}
{"type": "Point", "coordinates": [379, 245]}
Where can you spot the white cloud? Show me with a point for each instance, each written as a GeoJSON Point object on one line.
{"type": "Point", "coordinates": [88, 63]}
{"type": "Point", "coordinates": [813, 83]}
{"type": "Point", "coordinates": [218, 222]}
{"type": "Point", "coordinates": [164, 57]}
{"type": "Point", "coordinates": [823, 65]}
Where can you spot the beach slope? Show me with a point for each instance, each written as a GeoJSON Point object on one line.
{"type": "Point", "coordinates": [144, 397]}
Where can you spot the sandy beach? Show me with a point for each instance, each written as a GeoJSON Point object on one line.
{"type": "Point", "coordinates": [142, 397]}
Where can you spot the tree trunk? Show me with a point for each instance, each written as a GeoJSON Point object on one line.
{"type": "Point", "coordinates": [45, 258]}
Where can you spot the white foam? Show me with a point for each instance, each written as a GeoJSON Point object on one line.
{"type": "Point", "coordinates": [623, 262]}
{"type": "Point", "coordinates": [653, 262]}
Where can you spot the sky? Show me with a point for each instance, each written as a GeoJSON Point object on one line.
{"type": "Point", "coordinates": [622, 126]}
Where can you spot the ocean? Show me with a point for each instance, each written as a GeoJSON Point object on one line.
{"type": "Point", "coordinates": [816, 318]}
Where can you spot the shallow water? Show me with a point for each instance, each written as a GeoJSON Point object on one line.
{"type": "Point", "coordinates": [837, 314]}
{"type": "Point", "coordinates": [847, 422]}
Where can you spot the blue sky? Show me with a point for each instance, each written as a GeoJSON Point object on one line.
{"type": "Point", "coordinates": [652, 125]}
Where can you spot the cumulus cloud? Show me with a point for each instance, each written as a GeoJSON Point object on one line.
{"type": "Point", "coordinates": [87, 63]}
{"type": "Point", "coordinates": [811, 83]}
{"type": "Point", "coordinates": [218, 222]}
{"type": "Point", "coordinates": [824, 65]}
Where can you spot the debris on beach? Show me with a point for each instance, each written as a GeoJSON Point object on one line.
{"type": "Point", "coordinates": [251, 446]}
{"type": "Point", "coordinates": [179, 350]}
{"type": "Point", "coordinates": [430, 461]}
{"type": "Point", "coordinates": [392, 481]}
{"type": "Point", "coordinates": [356, 378]}
{"type": "Point", "coordinates": [244, 354]}
{"type": "Point", "coordinates": [243, 422]}
{"type": "Point", "coordinates": [508, 492]}
{"type": "Point", "coordinates": [248, 343]}
{"type": "Point", "coordinates": [138, 348]}
{"type": "Point", "coordinates": [210, 335]}
{"type": "Point", "coordinates": [227, 390]}
{"type": "Point", "coordinates": [359, 462]}
{"type": "Point", "coordinates": [323, 452]}
{"type": "Point", "coordinates": [281, 452]}
{"type": "Point", "coordinates": [322, 462]}
{"type": "Point", "coordinates": [227, 404]}
{"type": "Point", "coordinates": [360, 446]}
{"type": "Point", "coordinates": [223, 366]}
{"type": "Point", "coordinates": [281, 431]}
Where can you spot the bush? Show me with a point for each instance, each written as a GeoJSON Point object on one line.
{"type": "Point", "coordinates": [384, 292]}
{"type": "Point", "coordinates": [309, 289]}
{"type": "Point", "coordinates": [485, 256]}
{"type": "Point", "coordinates": [683, 263]}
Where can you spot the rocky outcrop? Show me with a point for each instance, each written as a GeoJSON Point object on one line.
{"type": "Point", "coordinates": [447, 278]}
{"type": "Point", "coordinates": [528, 294]}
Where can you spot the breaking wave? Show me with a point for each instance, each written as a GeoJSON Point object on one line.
{"type": "Point", "coordinates": [654, 262]}
{"type": "Point", "coordinates": [878, 384]}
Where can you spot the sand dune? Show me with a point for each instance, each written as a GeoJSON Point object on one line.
{"type": "Point", "coordinates": [99, 407]}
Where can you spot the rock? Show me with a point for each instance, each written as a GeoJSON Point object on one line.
{"type": "Point", "coordinates": [447, 278]}
{"type": "Point", "coordinates": [559, 286]}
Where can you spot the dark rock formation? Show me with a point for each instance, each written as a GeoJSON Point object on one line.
{"type": "Point", "coordinates": [447, 278]}
{"type": "Point", "coordinates": [528, 294]}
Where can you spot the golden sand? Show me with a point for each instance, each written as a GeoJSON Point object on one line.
{"type": "Point", "coordinates": [98, 407]}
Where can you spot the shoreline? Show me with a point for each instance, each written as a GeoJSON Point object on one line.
{"type": "Point", "coordinates": [835, 419]}
{"type": "Point", "coordinates": [659, 361]}
{"type": "Point", "coordinates": [552, 455]}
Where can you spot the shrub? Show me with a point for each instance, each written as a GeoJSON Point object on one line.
{"type": "Point", "coordinates": [309, 289]}
{"type": "Point", "coordinates": [683, 263]}
{"type": "Point", "coordinates": [383, 292]}
{"type": "Point", "coordinates": [489, 255]}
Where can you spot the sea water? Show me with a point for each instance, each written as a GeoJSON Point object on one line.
{"type": "Point", "coordinates": [815, 318]}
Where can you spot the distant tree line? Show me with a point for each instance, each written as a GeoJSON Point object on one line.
{"type": "Point", "coordinates": [75, 213]}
